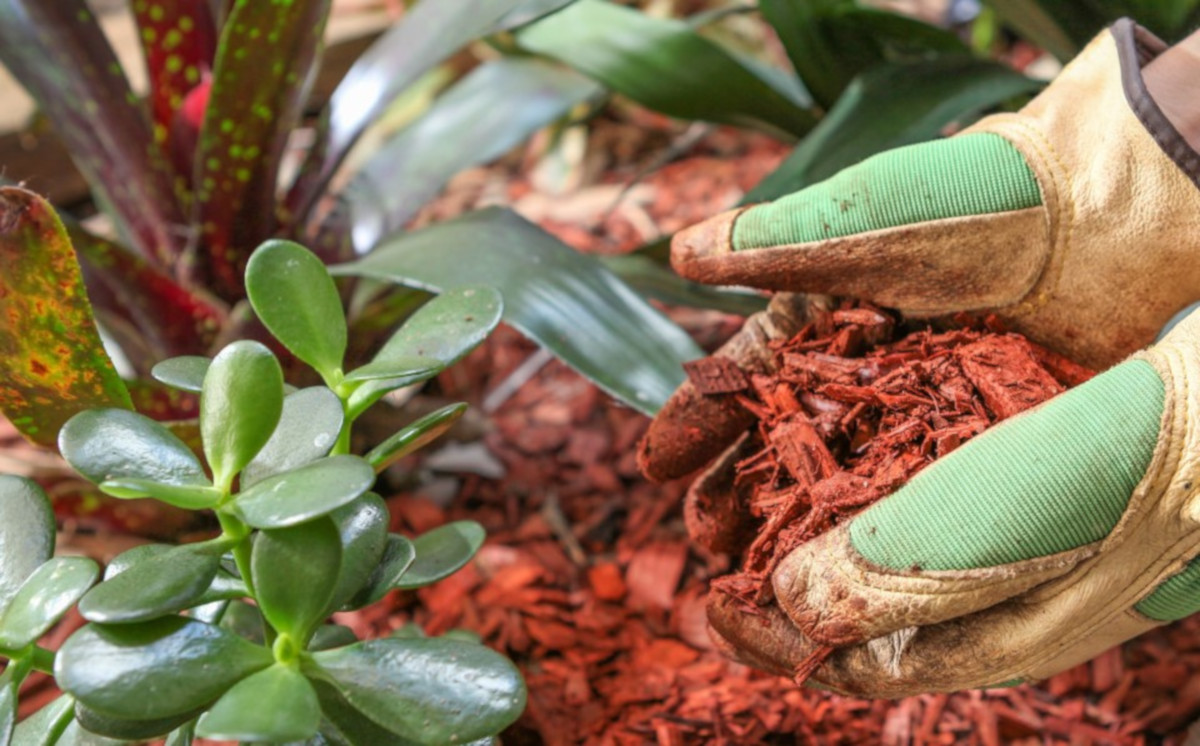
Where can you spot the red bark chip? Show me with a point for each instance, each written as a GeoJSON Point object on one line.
{"type": "Point", "coordinates": [716, 375]}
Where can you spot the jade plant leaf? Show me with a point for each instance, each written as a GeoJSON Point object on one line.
{"type": "Point", "coordinates": [157, 669]}
{"type": "Point", "coordinates": [398, 556]}
{"type": "Point", "coordinates": [240, 406]}
{"type": "Point", "coordinates": [307, 429]}
{"type": "Point", "coordinates": [432, 691]}
{"type": "Point", "coordinates": [189, 497]}
{"type": "Point", "coordinates": [329, 636]}
{"type": "Point", "coordinates": [185, 372]}
{"type": "Point", "coordinates": [295, 573]}
{"type": "Point", "coordinates": [305, 493]}
{"type": "Point", "coordinates": [134, 556]}
{"type": "Point", "coordinates": [44, 727]}
{"type": "Point", "coordinates": [276, 705]}
{"type": "Point", "coordinates": [26, 533]}
{"type": "Point", "coordinates": [148, 450]}
{"type": "Point", "coordinates": [8, 705]}
{"type": "Point", "coordinates": [397, 371]}
{"type": "Point", "coordinates": [181, 736]}
{"type": "Point", "coordinates": [42, 600]}
{"type": "Point", "coordinates": [346, 725]}
{"type": "Point", "coordinates": [154, 587]}
{"type": "Point", "coordinates": [562, 299]}
{"type": "Point", "coordinates": [122, 729]}
{"type": "Point", "coordinates": [260, 81]}
{"type": "Point", "coordinates": [295, 298]}
{"type": "Point", "coordinates": [442, 551]}
{"type": "Point", "coordinates": [52, 362]}
{"type": "Point", "coordinates": [363, 534]}
{"type": "Point", "coordinates": [414, 436]}
{"type": "Point", "coordinates": [446, 328]}
{"type": "Point", "coordinates": [665, 65]}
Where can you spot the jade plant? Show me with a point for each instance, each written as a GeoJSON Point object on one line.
{"type": "Point", "coordinates": [230, 638]}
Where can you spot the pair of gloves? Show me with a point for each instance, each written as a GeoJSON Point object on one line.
{"type": "Point", "coordinates": [1058, 533]}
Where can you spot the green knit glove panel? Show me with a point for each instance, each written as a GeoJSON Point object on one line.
{"type": "Point", "coordinates": [1051, 480]}
{"type": "Point", "coordinates": [977, 174]}
{"type": "Point", "coordinates": [1177, 598]}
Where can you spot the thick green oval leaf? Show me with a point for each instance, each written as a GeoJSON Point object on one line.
{"type": "Point", "coordinates": [888, 107]}
{"type": "Point", "coordinates": [44, 727]}
{"type": "Point", "coordinates": [134, 556]}
{"type": "Point", "coordinates": [224, 587]}
{"type": "Point", "coordinates": [329, 636]}
{"type": "Point", "coordinates": [397, 371]}
{"type": "Point", "coordinates": [295, 574]}
{"type": "Point", "coordinates": [441, 552]}
{"type": "Point", "coordinates": [181, 736]}
{"type": "Point", "coordinates": [303, 494]}
{"type": "Point", "coordinates": [240, 406]}
{"type": "Point", "coordinates": [398, 555]}
{"type": "Point", "coordinates": [265, 60]}
{"type": "Point", "coordinates": [277, 705]}
{"type": "Point", "coordinates": [189, 498]}
{"type": "Point", "coordinates": [295, 298]}
{"type": "Point", "coordinates": [8, 705]}
{"type": "Point", "coordinates": [245, 621]}
{"type": "Point", "coordinates": [157, 669]}
{"type": "Point", "coordinates": [148, 450]}
{"type": "Point", "coordinates": [433, 691]}
{"type": "Point", "coordinates": [562, 299]}
{"type": "Point", "coordinates": [307, 429]}
{"type": "Point", "coordinates": [185, 372]}
{"type": "Point", "coordinates": [26, 533]}
{"type": "Point", "coordinates": [43, 599]}
{"type": "Point", "coordinates": [665, 65]}
{"type": "Point", "coordinates": [124, 730]}
{"type": "Point", "coordinates": [346, 726]}
{"type": "Point", "coordinates": [363, 530]}
{"type": "Point", "coordinates": [413, 167]}
{"type": "Point", "coordinates": [414, 436]}
{"type": "Point", "coordinates": [163, 584]}
{"type": "Point", "coordinates": [52, 362]}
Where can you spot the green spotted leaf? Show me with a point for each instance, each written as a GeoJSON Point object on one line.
{"type": "Point", "coordinates": [44, 598]}
{"type": "Point", "coordinates": [276, 704]}
{"type": "Point", "coordinates": [52, 362]}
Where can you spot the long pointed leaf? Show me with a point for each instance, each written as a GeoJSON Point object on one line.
{"type": "Point", "coordinates": [52, 363]}
{"type": "Point", "coordinates": [665, 65]}
{"type": "Point", "coordinates": [263, 71]}
{"type": "Point", "coordinates": [60, 55]}
{"type": "Point", "coordinates": [429, 33]}
{"type": "Point", "coordinates": [888, 107]}
{"type": "Point", "coordinates": [482, 117]}
{"type": "Point", "coordinates": [562, 299]}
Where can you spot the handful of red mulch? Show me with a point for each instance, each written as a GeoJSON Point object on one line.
{"type": "Point", "coordinates": [854, 410]}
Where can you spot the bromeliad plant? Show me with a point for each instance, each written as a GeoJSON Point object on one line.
{"type": "Point", "coordinates": [229, 638]}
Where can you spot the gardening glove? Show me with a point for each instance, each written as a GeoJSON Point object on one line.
{"type": "Point", "coordinates": [1075, 220]}
{"type": "Point", "coordinates": [1042, 542]}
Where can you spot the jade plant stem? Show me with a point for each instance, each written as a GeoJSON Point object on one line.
{"type": "Point", "coordinates": [238, 532]}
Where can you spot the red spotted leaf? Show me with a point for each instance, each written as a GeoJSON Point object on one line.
{"type": "Point", "coordinates": [52, 363]}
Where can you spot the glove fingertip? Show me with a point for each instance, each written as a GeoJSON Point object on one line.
{"type": "Point", "coordinates": [691, 430]}
{"type": "Point", "coordinates": [697, 250]}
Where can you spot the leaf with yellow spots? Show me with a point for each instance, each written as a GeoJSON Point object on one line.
{"type": "Point", "coordinates": [52, 363]}
{"type": "Point", "coordinates": [263, 72]}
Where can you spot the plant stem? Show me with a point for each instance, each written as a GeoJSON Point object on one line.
{"type": "Point", "coordinates": [238, 532]}
{"type": "Point", "coordinates": [342, 446]}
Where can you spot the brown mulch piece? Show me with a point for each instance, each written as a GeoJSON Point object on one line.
{"type": "Point", "coordinates": [853, 412]}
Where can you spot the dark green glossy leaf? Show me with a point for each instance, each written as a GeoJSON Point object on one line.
{"type": "Point", "coordinates": [8, 705]}
{"type": "Point", "coordinates": [239, 407]}
{"type": "Point", "coordinates": [244, 620]}
{"type": "Point", "coordinates": [446, 328]}
{"type": "Point", "coordinates": [185, 372]}
{"type": "Point", "coordinates": [277, 704]}
{"type": "Point", "coordinates": [261, 78]}
{"type": "Point", "coordinates": [442, 551]}
{"type": "Point", "coordinates": [52, 362]}
{"type": "Point", "coordinates": [414, 166]}
{"type": "Point", "coordinates": [157, 669]}
{"type": "Point", "coordinates": [187, 497]}
{"type": "Point", "coordinates": [398, 555]}
{"type": "Point", "coordinates": [416, 435]}
{"type": "Point", "coordinates": [125, 730]}
{"type": "Point", "coordinates": [652, 279]}
{"type": "Point", "coordinates": [295, 298]}
{"type": "Point", "coordinates": [346, 726]}
{"type": "Point", "coordinates": [224, 587]}
{"type": "Point", "coordinates": [408, 370]}
{"type": "Point", "coordinates": [329, 636]}
{"type": "Point", "coordinates": [154, 587]}
{"type": "Point", "coordinates": [891, 106]}
{"type": "Point", "coordinates": [134, 556]}
{"type": "Point", "coordinates": [305, 493]}
{"type": "Point", "coordinates": [181, 736]}
{"type": "Point", "coordinates": [665, 65]}
{"type": "Point", "coordinates": [42, 600]}
{"type": "Point", "coordinates": [307, 429]}
{"type": "Point", "coordinates": [147, 450]}
{"type": "Point", "coordinates": [562, 299]}
{"type": "Point", "coordinates": [26, 533]}
{"type": "Point", "coordinates": [428, 34]}
{"type": "Point", "coordinates": [429, 690]}
{"type": "Point", "coordinates": [59, 53]}
{"type": "Point", "coordinates": [530, 10]}
{"type": "Point", "coordinates": [363, 530]}
{"type": "Point", "coordinates": [44, 727]}
{"type": "Point", "coordinates": [295, 575]}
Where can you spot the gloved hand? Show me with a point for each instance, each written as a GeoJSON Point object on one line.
{"type": "Point", "coordinates": [1076, 220]}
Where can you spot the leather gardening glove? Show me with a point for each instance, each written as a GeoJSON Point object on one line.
{"type": "Point", "coordinates": [1035, 546]}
